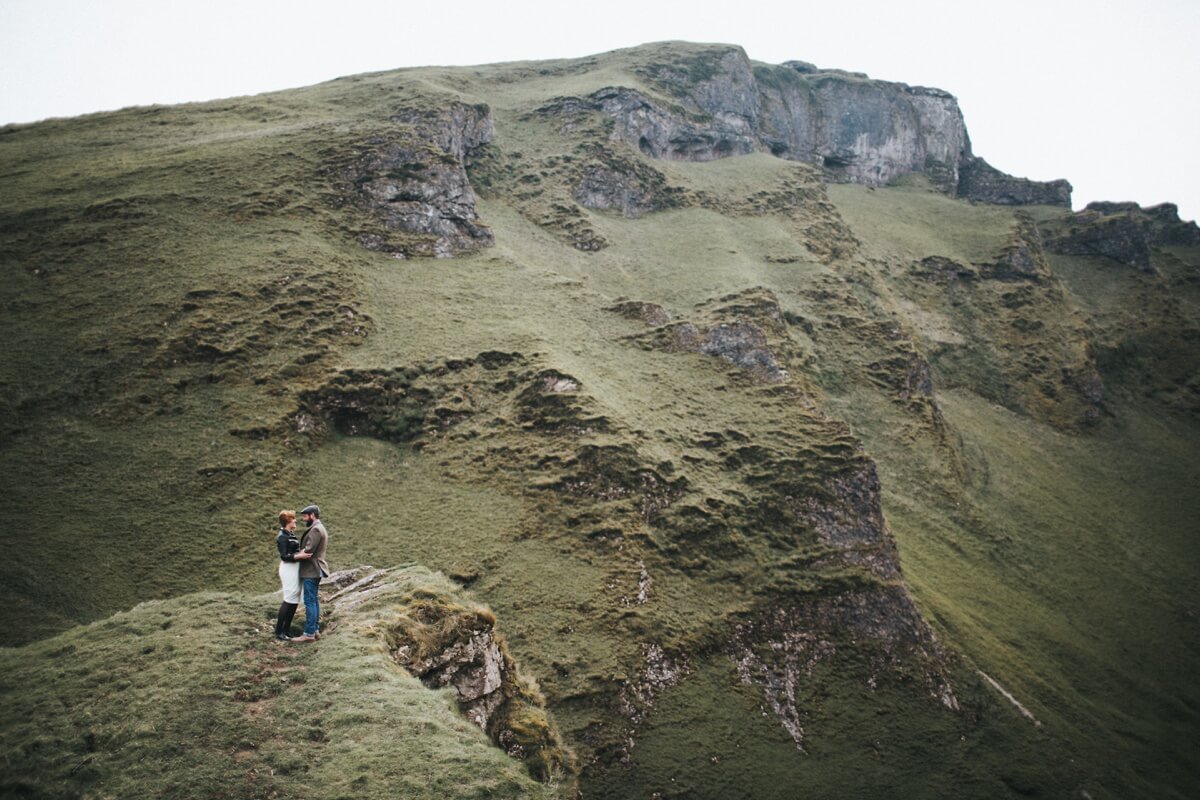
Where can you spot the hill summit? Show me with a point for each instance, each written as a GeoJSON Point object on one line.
{"type": "Point", "coordinates": [786, 445]}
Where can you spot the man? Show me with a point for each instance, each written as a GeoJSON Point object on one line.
{"type": "Point", "coordinates": [313, 567]}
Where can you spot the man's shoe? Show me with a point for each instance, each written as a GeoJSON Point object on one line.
{"type": "Point", "coordinates": [304, 638]}
{"type": "Point", "coordinates": [283, 637]}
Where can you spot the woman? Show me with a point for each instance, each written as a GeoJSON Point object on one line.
{"type": "Point", "coordinates": [289, 573]}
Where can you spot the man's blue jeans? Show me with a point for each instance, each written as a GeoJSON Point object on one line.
{"type": "Point", "coordinates": [312, 606]}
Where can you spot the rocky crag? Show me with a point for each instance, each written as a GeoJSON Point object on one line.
{"type": "Point", "coordinates": [447, 643]}
{"type": "Point", "coordinates": [411, 183]}
{"type": "Point", "coordinates": [714, 103]}
{"type": "Point", "coordinates": [1122, 232]}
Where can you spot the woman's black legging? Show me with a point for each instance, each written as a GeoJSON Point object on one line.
{"type": "Point", "coordinates": [283, 622]}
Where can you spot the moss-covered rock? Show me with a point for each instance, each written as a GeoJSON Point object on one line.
{"type": "Point", "coordinates": [451, 645]}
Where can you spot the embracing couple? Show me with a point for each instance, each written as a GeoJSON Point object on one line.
{"type": "Point", "coordinates": [301, 561]}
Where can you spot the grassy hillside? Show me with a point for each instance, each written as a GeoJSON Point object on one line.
{"type": "Point", "coordinates": [647, 442]}
{"type": "Point", "coordinates": [190, 697]}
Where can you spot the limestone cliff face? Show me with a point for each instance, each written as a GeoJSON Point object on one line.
{"type": "Point", "coordinates": [862, 131]}
{"type": "Point", "coordinates": [857, 129]}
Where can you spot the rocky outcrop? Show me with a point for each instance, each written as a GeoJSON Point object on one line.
{"type": "Point", "coordinates": [860, 130]}
{"type": "Point", "coordinates": [447, 643]}
{"type": "Point", "coordinates": [457, 129]}
{"type": "Point", "coordinates": [741, 343]}
{"type": "Point", "coordinates": [1165, 226]}
{"type": "Point", "coordinates": [1017, 346]}
{"type": "Point", "coordinates": [980, 181]}
{"type": "Point", "coordinates": [847, 516]}
{"type": "Point", "coordinates": [650, 313]}
{"type": "Point", "coordinates": [659, 672]}
{"type": "Point", "coordinates": [1122, 232]}
{"type": "Point", "coordinates": [609, 189]}
{"type": "Point", "coordinates": [1121, 237]}
{"type": "Point", "coordinates": [737, 328]}
{"type": "Point", "coordinates": [468, 660]}
{"type": "Point", "coordinates": [663, 133]}
{"type": "Point", "coordinates": [402, 404]}
{"type": "Point", "coordinates": [781, 650]}
{"type": "Point", "coordinates": [1024, 258]}
{"type": "Point", "coordinates": [412, 184]}
{"type": "Point", "coordinates": [627, 185]}
{"type": "Point", "coordinates": [856, 129]}
{"type": "Point", "coordinates": [379, 403]}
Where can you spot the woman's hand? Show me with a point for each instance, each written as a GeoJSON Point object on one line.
{"type": "Point", "coordinates": [302, 556]}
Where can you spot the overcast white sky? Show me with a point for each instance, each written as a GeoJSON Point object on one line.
{"type": "Point", "coordinates": [1101, 92]}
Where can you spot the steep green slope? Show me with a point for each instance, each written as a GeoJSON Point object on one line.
{"type": "Point", "coordinates": [1060, 563]}
{"type": "Point", "coordinates": [652, 413]}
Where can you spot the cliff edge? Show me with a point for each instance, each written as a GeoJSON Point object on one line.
{"type": "Point", "coordinates": [715, 102]}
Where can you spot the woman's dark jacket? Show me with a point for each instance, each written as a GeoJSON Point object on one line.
{"type": "Point", "coordinates": [288, 544]}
